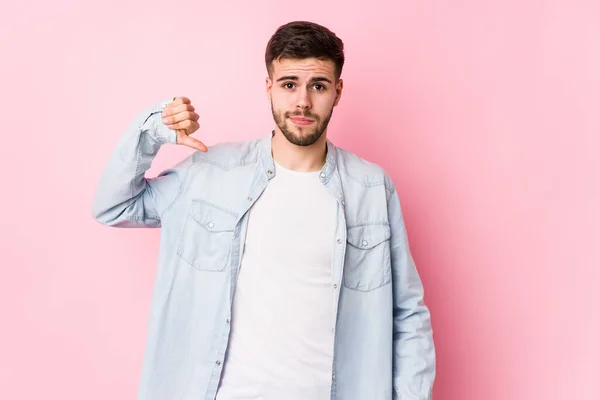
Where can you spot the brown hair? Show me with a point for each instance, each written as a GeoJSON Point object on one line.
{"type": "Point", "coordinates": [304, 39]}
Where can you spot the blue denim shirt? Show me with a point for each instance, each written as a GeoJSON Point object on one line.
{"type": "Point", "coordinates": [383, 346]}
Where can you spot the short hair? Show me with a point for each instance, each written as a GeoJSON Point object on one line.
{"type": "Point", "coordinates": [304, 39]}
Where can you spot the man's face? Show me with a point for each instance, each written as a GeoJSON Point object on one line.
{"type": "Point", "coordinates": [303, 93]}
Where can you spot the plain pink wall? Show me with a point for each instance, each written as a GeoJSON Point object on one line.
{"type": "Point", "coordinates": [485, 113]}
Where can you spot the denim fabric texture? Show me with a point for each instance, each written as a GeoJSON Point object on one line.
{"type": "Point", "coordinates": [383, 340]}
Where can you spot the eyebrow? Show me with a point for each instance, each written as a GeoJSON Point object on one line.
{"type": "Point", "coordinates": [295, 78]}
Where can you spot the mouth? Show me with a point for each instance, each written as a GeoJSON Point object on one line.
{"type": "Point", "coordinates": [302, 121]}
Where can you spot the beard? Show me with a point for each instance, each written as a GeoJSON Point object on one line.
{"type": "Point", "coordinates": [307, 135]}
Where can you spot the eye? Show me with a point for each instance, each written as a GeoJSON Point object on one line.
{"type": "Point", "coordinates": [320, 86]}
{"type": "Point", "coordinates": [285, 85]}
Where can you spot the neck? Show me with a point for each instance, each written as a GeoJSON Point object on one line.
{"type": "Point", "coordinates": [299, 158]}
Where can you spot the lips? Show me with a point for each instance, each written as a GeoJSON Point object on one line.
{"type": "Point", "coordinates": [300, 120]}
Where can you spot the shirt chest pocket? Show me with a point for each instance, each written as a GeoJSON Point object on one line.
{"type": "Point", "coordinates": [367, 264]}
{"type": "Point", "coordinates": [207, 236]}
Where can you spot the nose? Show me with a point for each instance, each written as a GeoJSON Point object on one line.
{"type": "Point", "coordinates": [303, 101]}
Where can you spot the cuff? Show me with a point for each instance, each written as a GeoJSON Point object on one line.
{"type": "Point", "coordinates": [156, 128]}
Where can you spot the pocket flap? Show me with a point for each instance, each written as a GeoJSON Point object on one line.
{"type": "Point", "coordinates": [211, 218]}
{"type": "Point", "coordinates": [368, 236]}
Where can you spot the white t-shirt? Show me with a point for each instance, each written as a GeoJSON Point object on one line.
{"type": "Point", "coordinates": [281, 342]}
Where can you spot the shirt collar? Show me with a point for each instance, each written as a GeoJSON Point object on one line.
{"type": "Point", "coordinates": [268, 164]}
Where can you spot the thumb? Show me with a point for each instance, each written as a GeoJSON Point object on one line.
{"type": "Point", "coordinates": [191, 142]}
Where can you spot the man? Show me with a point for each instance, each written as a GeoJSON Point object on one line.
{"type": "Point", "coordinates": [284, 269]}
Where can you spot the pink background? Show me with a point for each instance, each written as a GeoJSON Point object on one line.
{"type": "Point", "coordinates": [485, 113]}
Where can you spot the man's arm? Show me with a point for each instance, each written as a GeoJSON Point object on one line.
{"type": "Point", "coordinates": [124, 197]}
{"type": "Point", "coordinates": [414, 356]}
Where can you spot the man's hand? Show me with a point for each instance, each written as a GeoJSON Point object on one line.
{"type": "Point", "coordinates": [179, 116]}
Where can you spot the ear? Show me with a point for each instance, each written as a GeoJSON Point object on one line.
{"type": "Point", "coordinates": [339, 87]}
{"type": "Point", "coordinates": [268, 86]}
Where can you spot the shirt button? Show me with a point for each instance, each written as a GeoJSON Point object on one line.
{"type": "Point", "coordinates": [218, 362]}
{"type": "Point", "coordinates": [335, 285]}
{"type": "Point", "coordinates": [364, 243]}
{"type": "Point", "coordinates": [249, 198]}
{"type": "Point", "coordinates": [333, 376]}
{"type": "Point", "coordinates": [227, 321]}
{"type": "Point", "coordinates": [211, 225]}
{"type": "Point", "coordinates": [339, 240]}
{"type": "Point", "coordinates": [270, 172]}
{"type": "Point", "coordinates": [323, 175]}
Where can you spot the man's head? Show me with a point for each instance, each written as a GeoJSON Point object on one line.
{"type": "Point", "coordinates": [304, 61]}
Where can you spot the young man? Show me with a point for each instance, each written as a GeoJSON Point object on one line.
{"type": "Point", "coordinates": [284, 269]}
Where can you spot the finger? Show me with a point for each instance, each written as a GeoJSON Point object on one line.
{"type": "Point", "coordinates": [191, 142]}
{"type": "Point", "coordinates": [180, 100]}
{"type": "Point", "coordinates": [182, 116]}
{"type": "Point", "coordinates": [188, 125]}
{"type": "Point", "coordinates": [176, 109]}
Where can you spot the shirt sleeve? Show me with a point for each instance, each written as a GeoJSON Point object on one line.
{"type": "Point", "coordinates": [414, 358]}
{"type": "Point", "coordinates": [124, 197]}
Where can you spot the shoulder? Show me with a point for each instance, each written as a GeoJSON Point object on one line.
{"type": "Point", "coordinates": [362, 171]}
{"type": "Point", "coordinates": [229, 155]}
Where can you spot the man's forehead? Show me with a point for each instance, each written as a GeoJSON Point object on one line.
{"type": "Point", "coordinates": [303, 66]}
